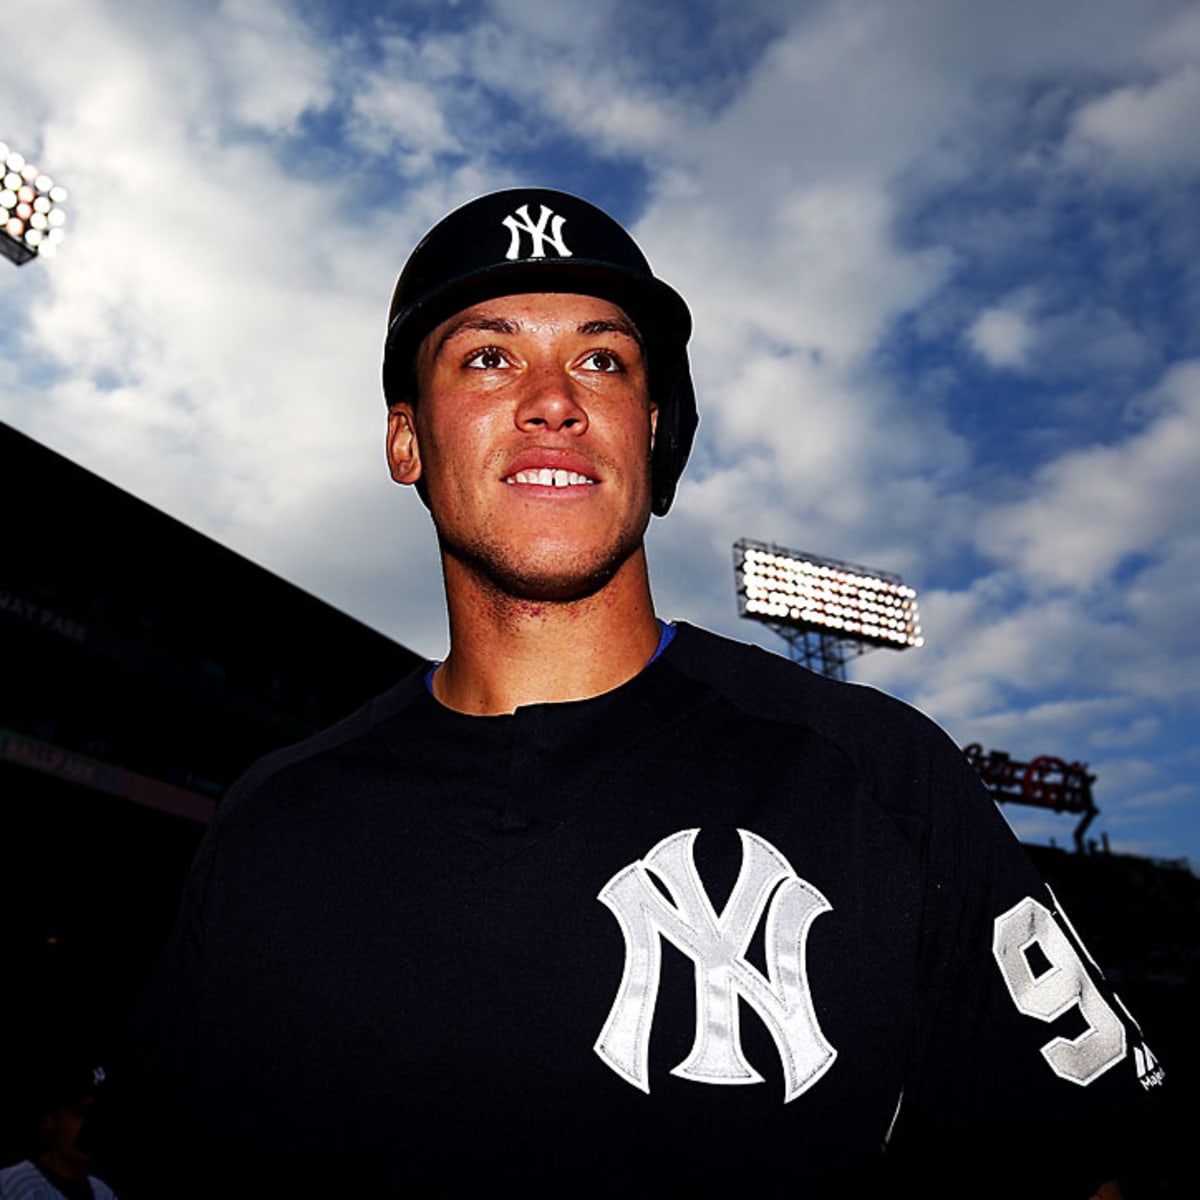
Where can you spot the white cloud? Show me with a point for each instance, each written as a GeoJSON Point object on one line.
{"type": "Point", "coordinates": [272, 69]}
{"type": "Point", "coordinates": [1144, 130]}
{"type": "Point", "coordinates": [561, 63]}
{"type": "Point", "coordinates": [1092, 508]}
{"type": "Point", "coordinates": [1003, 337]}
{"type": "Point", "coordinates": [397, 107]}
{"type": "Point", "coordinates": [1024, 334]}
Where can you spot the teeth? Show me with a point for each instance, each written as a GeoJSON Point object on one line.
{"type": "Point", "coordinates": [547, 477]}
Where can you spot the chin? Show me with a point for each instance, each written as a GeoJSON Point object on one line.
{"type": "Point", "coordinates": [561, 588]}
{"type": "Point", "coordinates": [549, 577]}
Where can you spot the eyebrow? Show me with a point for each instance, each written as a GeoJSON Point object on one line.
{"type": "Point", "coordinates": [504, 325]}
{"type": "Point", "coordinates": [622, 325]}
{"type": "Point", "coordinates": [475, 325]}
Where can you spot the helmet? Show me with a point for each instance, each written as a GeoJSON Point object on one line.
{"type": "Point", "coordinates": [537, 240]}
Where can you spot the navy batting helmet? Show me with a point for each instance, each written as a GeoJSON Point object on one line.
{"type": "Point", "coordinates": [537, 240]}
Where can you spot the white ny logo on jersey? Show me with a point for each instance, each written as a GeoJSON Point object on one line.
{"type": "Point", "coordinates": [521, 222]}
{"type": "Point", "coordinates": [717, 946]}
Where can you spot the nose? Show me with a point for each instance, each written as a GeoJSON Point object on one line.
{"type": "Point", "coordinates": [550, 401]}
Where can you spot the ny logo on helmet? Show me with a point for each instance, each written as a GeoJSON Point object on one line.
{"type": "Point", "coordinates": [717, 946]}
{"type": "Point", "coordinates": [521, 222]}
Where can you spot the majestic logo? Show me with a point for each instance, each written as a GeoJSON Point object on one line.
{"type": "Point", "coordinates": [1149, 1071]}
{"type": "Point", "coordinates": [520, 222]}
{"type": "Point", "coordinates": [717, 946]}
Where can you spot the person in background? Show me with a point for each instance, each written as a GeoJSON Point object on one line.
{"type": "Point", "coordinates": [60, 1169]}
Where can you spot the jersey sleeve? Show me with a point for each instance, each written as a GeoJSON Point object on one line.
{"type": "Point", "coordinates": [1029, 1076]}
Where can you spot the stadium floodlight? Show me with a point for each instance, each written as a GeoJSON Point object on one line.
{"type": "Point", "coordinates": [824, 609]}
{"type": "Point", "coordinates": [31, 213]}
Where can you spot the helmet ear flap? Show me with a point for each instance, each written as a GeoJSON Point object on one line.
{"type": "Point", "coordinates": [673, 436]}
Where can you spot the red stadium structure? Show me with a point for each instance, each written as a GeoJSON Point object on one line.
{"type": "Point", "coordinates": [1044, 782]}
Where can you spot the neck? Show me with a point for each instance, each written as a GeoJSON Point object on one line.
{"type": "Point", "coordinates": [62, 1167]}
{"type": "Point", "coordinates": [505, 652]}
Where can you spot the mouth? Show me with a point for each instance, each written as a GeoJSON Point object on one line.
{"type": "Point", "coordinates": [555, 477]}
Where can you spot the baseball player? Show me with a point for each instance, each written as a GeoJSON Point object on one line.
{"type": "Point", "coordinates": [602, 904]}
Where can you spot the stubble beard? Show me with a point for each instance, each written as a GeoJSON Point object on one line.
{"type": "Point", "coordinates": [506, 569]}
{"type": "Point", "coordinates": [544, 578]}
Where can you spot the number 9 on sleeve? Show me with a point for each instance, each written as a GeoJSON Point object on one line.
{"type": "Point", "coordinates": [1046, 995]}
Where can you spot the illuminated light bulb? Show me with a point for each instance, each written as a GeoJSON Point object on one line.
{"type": "Point", "coordinates": [58, 194]}
{"type": "Point", "coordinates": [39, 222]}
{"type": "Point", "coordinates": [24, 211]}
{"type": "Point", "coordinates": [55, 235]}
{"type": "Point", "coordinates": [56, 217]}
{"type": "Point", "coordinates": [14, 227]}
{"type": "Point", "coordinates": [12, 180]}
{"type": "Point", "coordinates": [14, 161]}
{"type": "Point", "coordinates": [26, 193]}
{"type": "Point", "coordinates": [41, 205]}
{"type": "Point", "coordinates": [43, 183]}
{"type": "Point", "coordinates": [33, 238]}
{"type": "Point", "coordinates": [29, 172]}
{"type": "Point", "coordinates": [8, 198]}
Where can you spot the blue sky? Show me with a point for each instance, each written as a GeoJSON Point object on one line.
{"type": "Point", "coordinates": [943, 260]}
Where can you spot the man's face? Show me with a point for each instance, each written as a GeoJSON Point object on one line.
{"type": "Point", "coordinates": [61, 1128]}
{"type": "Point", "coordinates": [532, 433]}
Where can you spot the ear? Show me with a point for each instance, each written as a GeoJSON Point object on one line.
{"type": "Point", "coordinates": [403, 451]}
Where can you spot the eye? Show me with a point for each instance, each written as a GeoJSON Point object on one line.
{"type": "Point", "coordinates": [604, 361]}
{"type": "Point", "coordinates": [490, 358]}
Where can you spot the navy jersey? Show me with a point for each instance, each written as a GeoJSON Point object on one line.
{"type": "Point", "coordinates": [729, 925]}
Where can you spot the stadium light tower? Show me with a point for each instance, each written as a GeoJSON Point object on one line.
{"type": "Point", "coordinates": [826, 611]}
{"type": "Point", "coordinates": [31, 214]}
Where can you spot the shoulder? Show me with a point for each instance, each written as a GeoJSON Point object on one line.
{"type": "Point", "coordinates": [862, 721]}
{"type": "Point", "coordinates": [356, 729]}
{"type": "Point", "coordinates": [898, 758]}
{"type": "Point", "coordinates": [100, 1189]}
{"type": "Point", "coordinates": [23, 1181]}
